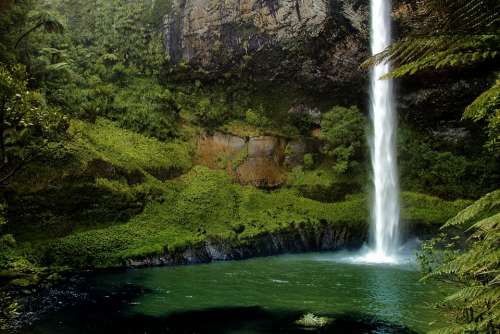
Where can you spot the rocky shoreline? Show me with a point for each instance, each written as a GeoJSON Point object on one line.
{"type": "Point", "coordinates": [296, 239]}
{"type": "Point", "coordinates": [74, 290]}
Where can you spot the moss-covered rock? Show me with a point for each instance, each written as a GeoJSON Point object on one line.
{"type": "Point", "coordinates": [204, 216]}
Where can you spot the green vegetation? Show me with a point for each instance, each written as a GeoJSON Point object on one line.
{"type": "Point", "coordinates": [200, 206]}
{"type": "Point", "coordinates": [127, 149]}
{"type": "Point", "coordinates": [324, 183]}
{"type": "Point", "coordinates": [104, 174]}
{"type": "Point", "coordinates": [98, 149]}
{"type": "Point", "coordinates": [460, 34]}
{"type": "Point", "coordinates": [206, 205]}
{"type": "Point", "coordinates": [343, 130]}
{"type": "Point", "coordinates": [467, 253]}
{"type": "Point", "coordinates": [435, 166]}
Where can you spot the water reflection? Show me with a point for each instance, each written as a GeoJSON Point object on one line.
{"type": "Point", "coordinates": [366, 298]}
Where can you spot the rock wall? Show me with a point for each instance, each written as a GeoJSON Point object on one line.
{"type": "Point", "coordinates": [318, 42]}
{"type": "Point", "coordinates": [261, 161]}
{"type": "Point", "coordinates": [294, 240]}
{"type": "Point", "coordinates": [316, 45]}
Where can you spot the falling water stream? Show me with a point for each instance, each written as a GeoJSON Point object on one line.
{"type": "Point", "coordinates": [385, 211]}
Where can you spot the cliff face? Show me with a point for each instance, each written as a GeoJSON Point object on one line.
{"type": "Point", "coordinates": [318, 42]}
{"type": "Point", "coordinates": [261, 161]}
{"type": "Point", "coordinates": [316, 45]}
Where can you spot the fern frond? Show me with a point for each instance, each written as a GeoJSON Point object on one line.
{"type": "Point", "coordinates": [486, 108]}
{"type": "Point", "coordinates": [58, 66]}
{"type": "Point", "coordinates": [478, 15]}
{"type": "Point", "coordinates": [465, 32]}
{"type": "Point", "coordinates": [483, 208]}
{"type": "Point", "coordinates": [488, 225]}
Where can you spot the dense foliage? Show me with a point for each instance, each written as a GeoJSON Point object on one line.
{"type": "Point", "coordinates": [343, 129]}
{"type": "Point", "coordinates": [27, 124]}
{"type": "Point", "coordinates": [100, 159]}
{"type": "Point", "coordinates": [468, 253]}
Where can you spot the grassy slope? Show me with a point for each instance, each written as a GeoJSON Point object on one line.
{"type": "Point", "coordinates": [201, 204]}
{"type": "Point", "coordinates": [88, 183]}
{"type": "Point", "coordinates": [127, 149]}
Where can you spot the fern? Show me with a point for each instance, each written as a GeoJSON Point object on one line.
{"type": "Point", "coordinates": [474, 264]}
{"type": "Point", "coordinates": [454, 34]}
{"type": "Point", "coordinates": [486, 108]}
{"type": "Point", "coordinates": [45, 20]}
{"type": "Point", "coordinates": [466, 15]}
{"type": "Point", "coordinates": [484, 207]}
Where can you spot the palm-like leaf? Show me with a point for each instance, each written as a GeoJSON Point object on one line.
{"type": "Point", "coordinates": [476, 268]}
{"type": "Point", "coordinates": [462, 32]}
{"type": "Point", "coordinates": [44, 20]}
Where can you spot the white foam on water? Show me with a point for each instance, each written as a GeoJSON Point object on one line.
{"type": "Point", "coordinates": [406, 256]}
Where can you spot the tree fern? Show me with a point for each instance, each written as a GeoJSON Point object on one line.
{"type": "Point", "coordinates": [486, 108]}
{"type": "Point", "coordinates": [454, 34]}
{"type": "Point", "coordinates": [44, 20]}
{"type": "Point", "coordinates": [473, 263]}
{"type": "Point", "coordinates": [466, 30]}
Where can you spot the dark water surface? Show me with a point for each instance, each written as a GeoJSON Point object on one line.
{"type": "Point", "coordinates": [264, 295]}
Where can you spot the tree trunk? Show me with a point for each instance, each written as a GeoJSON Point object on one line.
{"type": "Point", "coordinates": [2, 131]}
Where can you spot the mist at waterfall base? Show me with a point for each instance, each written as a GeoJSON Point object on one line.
{"type": "Point", "coordinates": [385, 244]}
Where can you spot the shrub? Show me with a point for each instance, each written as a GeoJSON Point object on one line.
{"type": "Point", "coordinates": [211, 113]}
{"type": "Point", "coordinates": [308, 161]}
{"type": "Point", "coordinates": [429, 165]}
{"type": "Point", "coordinates": [343, 130]}
{"type": "Point", "coordinates": [148, 108]}
{"type": "Point", "coordinates": [257, 118]}
{"type": "Point", "coordinates": [467, 253]}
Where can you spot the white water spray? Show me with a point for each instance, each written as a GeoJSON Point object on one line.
{"type": "Point", "coordinates": [385, 212]}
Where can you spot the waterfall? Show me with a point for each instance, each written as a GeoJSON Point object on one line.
{"type": "Point", "coordinates": [385, 210]}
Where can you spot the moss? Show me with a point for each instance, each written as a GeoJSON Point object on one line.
{"type": "Point", "coordinates": [425, 210]}
{"type": "Point", "coordinates": [205, 205]}
{"type": "Point", "coordinates": [103, 175]}
{"type": "Point", "coordinates": [241, 129]}
{"type": "Point", "coordinates": [324, 184]}
{"type": "Point", "coordinates": [127, 149]}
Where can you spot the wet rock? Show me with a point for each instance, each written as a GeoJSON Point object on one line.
{"type": "Point", "coordinates": [292, 240]}
{"type": "Point", "coordinates": [38, 302]}
{"type": "Point", "coordinates": [295, 152]}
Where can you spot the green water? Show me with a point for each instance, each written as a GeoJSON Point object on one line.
{"type": "Point", "coordinates": [265, 295]}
